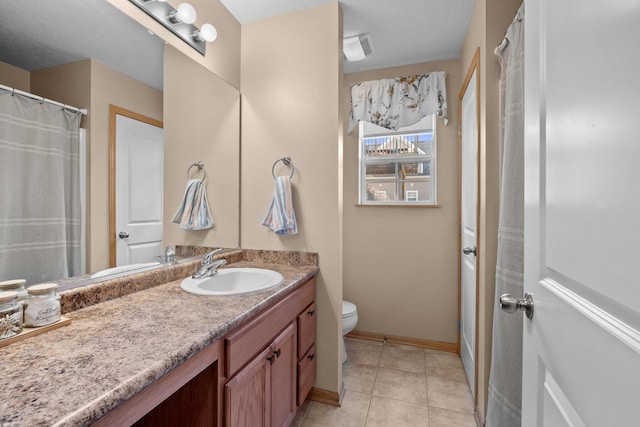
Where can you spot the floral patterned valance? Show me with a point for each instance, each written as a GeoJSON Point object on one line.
{"type": "Point", "coordinates": [403, 101]}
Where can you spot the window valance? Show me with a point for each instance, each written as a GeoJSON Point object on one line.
{"type": "Point", "coordinates": [398, 102]}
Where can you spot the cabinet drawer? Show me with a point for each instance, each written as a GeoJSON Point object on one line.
{"type": "Point", "coordinates": [246, 341]}
{"type": "Point", "coordinates": [306, 374]}
{"type": "Point", "coordinates": [306, 329]}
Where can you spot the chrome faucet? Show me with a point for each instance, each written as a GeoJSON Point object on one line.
{"type": "Point", "coordinates": [169, 256]}
{"type": "Point", "coordinates": [209, 267]}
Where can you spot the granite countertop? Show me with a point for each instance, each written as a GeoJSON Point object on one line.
{"type": "Point", "coordinates": [73, 375]}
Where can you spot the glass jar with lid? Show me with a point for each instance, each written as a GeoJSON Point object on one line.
{"type": "Point", "coordinates": [43, 305]}
{"type": "Point", "coordinates": [10, 314]}
{"type": "Point", "coordinates": [15, 285]}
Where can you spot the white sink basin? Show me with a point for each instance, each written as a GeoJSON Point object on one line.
{"type": "Point", "coordinates": [122, 269]}
{"type": "Point", "coordinates": [234, 281]}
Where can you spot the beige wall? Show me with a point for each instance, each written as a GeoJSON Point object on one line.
{"type": "Point", "coordinates": [222, 56]}
{"type": "Point", "coordinates": [203, 124]}
{"type": "Point", "coordinates": [487, 28]}
{"type": "Point", "coordinates": [291, 97]}
{"type": "Point", "coordinates": [400, 263]}
{"type": "Point", "coordinates": [14, 77]}
{"type": "Point", "coordinates": [92, 85]}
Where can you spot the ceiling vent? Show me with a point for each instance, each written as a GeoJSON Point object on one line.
{"type": "Point", "coordinates": [357, 47]}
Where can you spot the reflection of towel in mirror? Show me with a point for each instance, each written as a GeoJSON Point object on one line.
{"type": "Point", "coordinates": [193, 213]}
{"type": "Point", "coordinates": [281, 217]}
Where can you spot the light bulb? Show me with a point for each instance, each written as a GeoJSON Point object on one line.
{"type": "Point", "coordinates": [184, 13]}
{"type": "Point", "coordinates": [207, 33]}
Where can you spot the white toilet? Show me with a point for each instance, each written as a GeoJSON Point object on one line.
{"type": "Point", "coordinates": [349, 321]}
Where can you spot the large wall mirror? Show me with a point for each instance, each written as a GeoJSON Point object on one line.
{"type": "Point", "coordinates": [89, 54]}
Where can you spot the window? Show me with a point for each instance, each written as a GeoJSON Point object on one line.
{"type": "Point", "coordinates": [398, 167]}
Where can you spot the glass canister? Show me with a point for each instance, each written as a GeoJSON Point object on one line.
{"type": "Point", "coordinates": [15, 285]}
{"type": "Point", "coordinates": [43, 305]}
{"type": "Point", "coordinates": [10, 314]}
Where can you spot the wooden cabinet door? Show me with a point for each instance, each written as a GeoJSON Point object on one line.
{"type": "Point", "coordinates": [283, 377]}
{"type": "Point", "coordinates": [248, 394]}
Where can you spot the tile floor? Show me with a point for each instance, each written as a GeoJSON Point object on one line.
{"type": "Point", "coordinates": [398, 386]}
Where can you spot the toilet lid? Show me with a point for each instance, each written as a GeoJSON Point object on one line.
{"type": "Point", "coordinates": [348, 309]}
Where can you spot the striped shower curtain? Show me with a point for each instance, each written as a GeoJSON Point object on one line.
{"type": "Point", "coordinates": [40, 217]}
{"type": "Point", "coordinates": [505, 379]}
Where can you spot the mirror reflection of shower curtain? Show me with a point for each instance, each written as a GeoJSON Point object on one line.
{"type": "Point", "coordinates": [505, 380]}
{"type": "Point", "coordinates": [40, 215]}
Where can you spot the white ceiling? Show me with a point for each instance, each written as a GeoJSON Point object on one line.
{"type": "Point", "coordinates": [37, 34]}
{"type": "Point", "coordinates": [403, 31]}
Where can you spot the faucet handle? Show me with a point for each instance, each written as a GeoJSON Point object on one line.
{"type": "Point", "coordinates": [208, 257]}
{"type": "Point", "coordinates": [170, 254]}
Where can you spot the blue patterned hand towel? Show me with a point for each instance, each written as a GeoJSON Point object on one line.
{"type": "Point", "coordinates": [193, 213]}
{"type": "Point", "coordinates": [280, 217]}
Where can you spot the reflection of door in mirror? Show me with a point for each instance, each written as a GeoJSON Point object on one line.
{"type": "Point", "coordinates": [136, 168]}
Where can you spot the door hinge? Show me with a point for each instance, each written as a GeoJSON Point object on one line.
{"type": "Point", "coordinates": [459, 325]}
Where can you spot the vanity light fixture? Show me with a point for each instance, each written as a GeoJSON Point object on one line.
{"type": "Point", "coordinates": [180, 21]}
{"type": "Point", "coordinates": [358, 47]}
{"type": "Point", "coordinates": [184, 13]}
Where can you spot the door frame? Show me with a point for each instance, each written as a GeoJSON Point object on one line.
{"type": "Point", "coordinates": [113, 112]}
{"type": "Point", "coordinates": [473, 67]}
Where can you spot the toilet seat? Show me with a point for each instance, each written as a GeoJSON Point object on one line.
{"type": "Point", "coordinates": [348, 309]}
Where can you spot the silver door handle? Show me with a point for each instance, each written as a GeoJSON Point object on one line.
{"type": "Point", "coordinates": [468, 251]}
{"type": "Point", "coordinates": [123, 235]}
{"type": "Point", "coordinates": [511, 304]}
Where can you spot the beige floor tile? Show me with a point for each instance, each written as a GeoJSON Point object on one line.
{"type": "Point", "coordinates": [445, 418]}
{"type": "Point", "coordinates": [353, 411]}
{"type": "Point", "coordinates": [310, 423]}
{"type": "Point", "coordinates": [401, 385]}
{"type": "Point", "coordinates": [445, 365]}
{"type": "Point", "coordinates": [404, 358]}
{"type": "Point", "coordinates": [384, 412]}
{"type": "Point", "coordinates": [301, 413]}
{"type": "Point", "coordinates": [449, 394]}
{"type": "Point", "coordinates": [363, 351]}
{"type": "Point", "coordinates": [359, 377]}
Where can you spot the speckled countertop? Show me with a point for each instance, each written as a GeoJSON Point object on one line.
{"type": "Point", "coordinates": [73, 375]}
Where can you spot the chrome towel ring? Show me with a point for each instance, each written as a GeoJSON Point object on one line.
{"type": "Point", "coordinates": [200, 166]}
{"type": "Point", "coordinates": [287, 162]}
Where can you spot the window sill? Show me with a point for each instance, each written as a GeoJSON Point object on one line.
{"type": "Point", "coordinates": [396, 205]}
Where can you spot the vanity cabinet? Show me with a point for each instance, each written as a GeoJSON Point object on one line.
{"type": "Point", "coordinates": [306, 323]}
{"type": "Point", "coordinates": [264, 392]}
{"type": "Point", "coordinates": [257, 375]}
{"type": "Point", "coordinates": [266, 359]}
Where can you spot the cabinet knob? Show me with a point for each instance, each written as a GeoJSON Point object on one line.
{"type": "Point", "coordinates": [311, 356]}
{"type": "Point", "coordinates": [272, 358]}
{"type": "Point", "coordinates": [311, 312]}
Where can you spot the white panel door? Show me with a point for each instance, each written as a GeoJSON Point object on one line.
{"type": "Point", "coordinates": [581, 349]}
{"type": "Point", "coordinates": [139, 191]}
{"type": "Point", "coordinates": [469, 174]}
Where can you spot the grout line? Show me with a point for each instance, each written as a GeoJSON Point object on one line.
{"type": "Point", "coordinates": [375, 378]}
{"type": "Point", "coordinates": [426, 378]}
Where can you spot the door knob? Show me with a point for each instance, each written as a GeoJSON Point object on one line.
{"type": "Point", "coordinates": [468, 251]}
{"type": "Point", "coordinates": [511, 304]}
{"type": "Point", "coordinates": [123, 235]}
